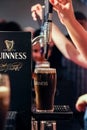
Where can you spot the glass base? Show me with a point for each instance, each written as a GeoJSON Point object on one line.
{"type": "Point", "coordinates": [48, 125]}
{"type": "Point", "coordinates": [45, 111]}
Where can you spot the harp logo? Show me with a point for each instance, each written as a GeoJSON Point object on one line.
{"type": "Point", "coordinates": [9, 44]}
{"type": "Point", "coordinates": [10, 53]}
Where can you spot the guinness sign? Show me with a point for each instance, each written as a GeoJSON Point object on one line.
{"type": "Point", "coordinates": [15, 60]}
{"type": "Point", "coordinates": [12, 52]}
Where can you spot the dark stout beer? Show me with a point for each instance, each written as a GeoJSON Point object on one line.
{"type": "Point", "coordinates": [45, 87]}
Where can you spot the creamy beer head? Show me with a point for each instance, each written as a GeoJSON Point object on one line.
{"type": "Point", "coordinates": [45, 87]}
{"type": "Point", "coordinates": [42, 64]}
{"type": "Point", "coordinates": [45, 70]}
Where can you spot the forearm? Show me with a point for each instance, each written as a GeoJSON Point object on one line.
{"type": "Point", "coordinates": [66, 47]}
{"type": "Point", "coordinates": [63, 44]}
{"type": "Point", "coordinates": [60, 41]}
{"type": "Point", "coordinates": [78, 36]}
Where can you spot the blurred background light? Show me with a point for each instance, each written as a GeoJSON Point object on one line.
{"type": "Point", "coordinates": [84, 1]}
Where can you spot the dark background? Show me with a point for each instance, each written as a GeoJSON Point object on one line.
{"type": "Point", "coordinates": [19, 10]}
{"type": "Point", "coordinates": [20, 81]}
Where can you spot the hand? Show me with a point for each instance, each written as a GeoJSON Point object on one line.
{"type": "Point", "coordinates": [81, 103]}
{"type": "Point", "coordinates": [64, 9]}
{"type": "Point", "coordinates": [36, 11]}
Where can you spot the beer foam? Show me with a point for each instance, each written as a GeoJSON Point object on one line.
{"type": "Point", "coordinates": [45, 70]}
{"type": "Point", "coordinates": [4, 91]}
{"type": "Point", "coordinates": [42, 64]}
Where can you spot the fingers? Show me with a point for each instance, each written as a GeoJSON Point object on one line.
{"type": "Point", "coordinates": [58, 1]}
{"type": "Point", "coordinates": [56, 5]}
{"type": "Point", "coordinates": [81, 103]}
{"type": "Point", "coordinates": [33, 14]}
{"type": "Point", "coordinates": [36, 11]}
{"type": "Point", "coordinates": [36, 7]}
{"type": "Point", "coordinates": [81, 107]}
{"type": "Point", "coordinates": [63, 1]}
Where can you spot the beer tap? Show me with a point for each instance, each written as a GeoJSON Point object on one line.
{"type": "Point", "coordinates": [46, 28]}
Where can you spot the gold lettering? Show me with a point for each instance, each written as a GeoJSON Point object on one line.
{"type": "Point", "coordinates": [16, 66]}
{"type": "Point", "coordinates": [42, 83]}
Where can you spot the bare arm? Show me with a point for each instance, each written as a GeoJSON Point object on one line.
{"type": "Point", "coordinates": [79, 36]}
{"type": "Point", "coordinates": [63, 44]}
{"type": "Point", "coordinates": [67, 48]}
{"type": "Point", "coordinates": [77, 33]}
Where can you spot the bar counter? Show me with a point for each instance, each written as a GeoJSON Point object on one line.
{"type": "Point", "coordinates": [65, 119]}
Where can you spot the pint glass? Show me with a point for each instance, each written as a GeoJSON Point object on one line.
{"type": "Point", "coordinates": [45, 87]}
{"type": "Point", "coordinates": [4, 98]}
